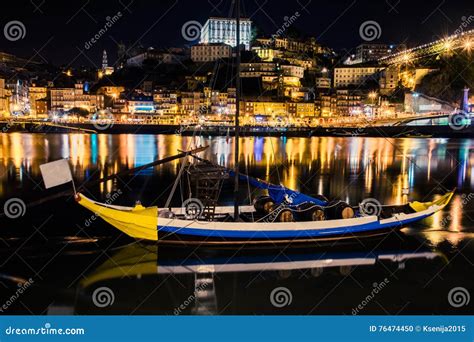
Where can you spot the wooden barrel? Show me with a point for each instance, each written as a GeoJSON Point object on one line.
{"type": "Point", "coordinates": [310, 212]}
{"type": "Point", "coordinates": [263, 204]}
{"type": "Point", "coordinates": [317, 214]}
{"type": "Point", "coordinates": [285, 215]}
{"type": "Point", "coordinates": [339, 210]}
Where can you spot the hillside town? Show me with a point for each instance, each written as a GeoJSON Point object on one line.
{"type": "Point", "coordinates": [286, 80]}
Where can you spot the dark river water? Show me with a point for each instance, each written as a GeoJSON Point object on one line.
{"type": "Point", "coordinates": [57, 259]}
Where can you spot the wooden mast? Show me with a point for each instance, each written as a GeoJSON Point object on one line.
{"type": "Point", "coordinates": [237, 112]}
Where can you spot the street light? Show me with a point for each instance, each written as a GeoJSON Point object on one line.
{"type": "Point", "coordinates": [448, 45]}
{"type": "Point", "coordinates": [468, 45]}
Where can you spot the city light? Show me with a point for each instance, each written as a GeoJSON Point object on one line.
{"type": "Point", "coordinates": [448, 45]}
{"type": "Point", "coordinates": [468, 45]}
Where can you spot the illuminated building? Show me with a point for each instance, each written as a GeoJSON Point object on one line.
{"type": "Point", "coordinates": [346, 100]}
{"type": "Point", "coordinates": [166, 105]}
{"type": "Point", "coordinates": [258, 69]}
{"type": "Point", "coordinates": [293, 45]}
{"type": "Point", "coordinates": [210, 52]}
{"type": "Point", "coordinates": [292, 71]}
{"type": "Point", "coordinates": [18, 98]}
{"type": "Point", "coordinates": [219, 105]}
{"type": "Point", "coordinates": [111, 91]}
{"type": "Point", "coordinates": [389, 79]}
{"type": "Point", "coordinates": [141, 104]}
{"type": "Point", "coordinates": [106, 70]}
{"type": "Point", "coordinates": [41, 108]}
{"type": "Point", "coordinates": [3, 99]}
{"type": "Point", "coordinates": [37, 108]}
{"type": "Point", "coordinates": [192, 103]}
{"type": "Point", "coordinates": [301, 109]}
{"type": "Point", "coordinates": [368, 52]}
{"type": "Point", "coordinates": [421, 104]}
{"type": "Point", "coordinates": [267, 54]}
{"type": "Point", "coordinates": [340, 103]}
{"type": "Point", "coordinates": [322, 83]}
{"type": "Point", "coordinates": [354, 75]}
{"type": "Point", "coordinates": [64, 99]}
{"type": "Point", "coordinates": [223, 30]}
{"type": "Point", "coordinates": [265, 109]}
{"type": "Point", "coordinates": [268, 111]}
{"type": "Point", "coordinates": [305, 63]}
{"type": "Point", "coordinates": [326, 105]}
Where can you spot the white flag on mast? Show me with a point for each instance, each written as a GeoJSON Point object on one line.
{"type": "Point", "coordinates": [56, 173]}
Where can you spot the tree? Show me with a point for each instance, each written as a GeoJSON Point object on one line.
{"type": "Point", "coordinates": [79, 112]}
{"type": "Point", "coordinates": [454, 73]}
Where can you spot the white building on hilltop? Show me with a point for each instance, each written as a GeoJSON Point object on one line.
{"type": "Point", "coordinates": [223, 30]}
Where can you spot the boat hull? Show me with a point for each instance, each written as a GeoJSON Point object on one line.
{"type": "Point", "coordinates": [286, 231]}
{"type": "Point", "coordinates": [144, 223]}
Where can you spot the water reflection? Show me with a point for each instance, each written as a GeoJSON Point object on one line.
{"type": "Point", "coordinates": [391, 170]}
{"type": "Point", "coordinates": [200, 285]}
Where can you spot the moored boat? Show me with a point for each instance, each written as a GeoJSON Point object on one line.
{"type": "Point", "coordinates": [146, 223]}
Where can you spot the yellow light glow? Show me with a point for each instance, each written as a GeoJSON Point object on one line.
{"type": "Point", "coordinates": [448, 45]}
{"type": "Point", "coordinates": [468, 45]}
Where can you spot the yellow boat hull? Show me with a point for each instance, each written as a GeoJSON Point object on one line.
{"type": "Point", "coordinates": [137, 222]}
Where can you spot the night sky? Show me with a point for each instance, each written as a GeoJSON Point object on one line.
{"type": "Point", "coordinates": [56, 31]}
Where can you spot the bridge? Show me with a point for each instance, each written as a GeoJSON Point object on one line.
{"type": "Point", "coordinates": [461, 41]}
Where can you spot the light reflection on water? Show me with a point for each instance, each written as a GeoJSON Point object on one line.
{"type": "Point", "coordinates": [391, 170]}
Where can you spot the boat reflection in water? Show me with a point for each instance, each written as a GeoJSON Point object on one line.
{"type": "Point", "coordinates": [259, 282]}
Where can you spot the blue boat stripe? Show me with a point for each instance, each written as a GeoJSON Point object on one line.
{"type": "Point", "coordinates": [282, 234]}
{"type": "Point", "coordinates": [285, 234]}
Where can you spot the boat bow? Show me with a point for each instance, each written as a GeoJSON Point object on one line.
{"type": "Point", "coordinates": [137, 222]}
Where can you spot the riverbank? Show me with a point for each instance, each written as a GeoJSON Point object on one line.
{"type": "Point", "coordinates": [347, 131]}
